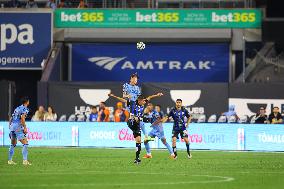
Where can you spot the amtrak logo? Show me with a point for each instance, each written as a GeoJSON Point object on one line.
{"type": "Point", "coordinates": [109, 63]}
{"type": "Point", "coordinates": [106, 62]}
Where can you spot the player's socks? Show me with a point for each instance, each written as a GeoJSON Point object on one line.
{"type": "Point", "coordinates": [175, 150]}
{"type": "Point", "coordinates": [11, 152]}
{"type": "Point", "coordinates": [169, 148]}
{"type": "Point", "coordinates": [25, 152]}
{"type": "Point", "coordinates": [187, 149]}
{"type": "Point", "coordinates": [138, 150]}
{"type": "Point", "coordinates": [147, 147]}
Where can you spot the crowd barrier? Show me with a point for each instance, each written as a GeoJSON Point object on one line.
{"type": "Point", "coordinates": [202, 136]}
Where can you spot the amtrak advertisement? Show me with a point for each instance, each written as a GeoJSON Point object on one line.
{"type": "Point", "coordinates": [158, 62]}
{"type": "Point", "coordinates": [25, 39]}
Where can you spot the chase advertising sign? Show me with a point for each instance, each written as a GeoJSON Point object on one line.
{"type": "Point", "coordinates": [158, 62]}
{"type": "Point", "coordinates": [25, 39]}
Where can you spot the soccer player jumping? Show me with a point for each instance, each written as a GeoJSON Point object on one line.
{"type": "Point", "coordinates": [18, 131]}
{"type": "Point", "coordinates": [178, 114]}
{"type": "Point", "coordinates": [157, 130]}
{"type": "Point", "coordinates": [135, 119]}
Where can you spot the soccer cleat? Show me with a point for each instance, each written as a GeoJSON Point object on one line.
{"type": "Point", "coordinates": [172, 156]}
{"type": "Point", "coordinates": [26, 162]}
{"type": "Point", "coordinates": [137, 161]}
{"type": "Point", "coordinates": [189, 156]}
{"type": "Point", "coordinates": [147, 156]}
{"type": "Point", "coordinates": [10, 162]}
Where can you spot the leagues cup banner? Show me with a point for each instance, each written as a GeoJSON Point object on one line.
{"type": "Point", "coordinates": [157, 18]}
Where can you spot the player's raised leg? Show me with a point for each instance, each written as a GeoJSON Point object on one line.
{"type": "Point", "coordinates": [148, 150]}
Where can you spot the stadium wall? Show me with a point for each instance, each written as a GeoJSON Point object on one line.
{"type": "Point", "coordinates": [118, 135]}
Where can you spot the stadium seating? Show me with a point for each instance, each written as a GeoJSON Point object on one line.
{"type": "Point", "coordinates": [243, 119]}
{"type": "Point", "coordinates": [222, 119]}
{"type": "Point", "coordinates": [62, 118]}
{"type": "Point", "coordinates": [201, 119]}
{"type": "Point", "coordinates": [212, 119]}
{"type": "Point", "coordinates": [232, 119]}
{"type": "Point", "coordinates": [72, 117]}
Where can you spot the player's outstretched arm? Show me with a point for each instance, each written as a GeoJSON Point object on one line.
{"type": "Point", "coordinates": [154, 96]}
{"type": "Point", "coordinates": [118, 98]}
{"type": "Point", "coordinates": [164, 119]}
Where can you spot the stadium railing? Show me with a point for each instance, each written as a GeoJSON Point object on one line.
{"type": "Point", "coordinates": [140, 3]}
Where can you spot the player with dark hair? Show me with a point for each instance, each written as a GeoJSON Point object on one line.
{"type": "Point", "coordinates": [136, 117]}
{"type": "Point", "coordinates": [18, 131]}
{"type": "Point", "coordinates": [157, 131]}
{"type": "Point", "coordinates": [179, 114]}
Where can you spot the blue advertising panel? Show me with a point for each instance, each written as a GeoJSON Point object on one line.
{"type": "Point", "coordinates": [158, 62]}
{"type": "Point", "coordinates": [44, 134]}
{"type": "Point", "coordinates": [264, 137]}
{"type": "Point", "coordinates": [201, 136]}
{"type": "Point", "coordinates": [26, 39]}
{"type": "Point", "coordinates": [105, 135]}
{"type": "Point", "coordinates": [207, 136]}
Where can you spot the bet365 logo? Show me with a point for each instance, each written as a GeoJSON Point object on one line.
{"type": "Point", "coordinates": [10, 33]}
{"type": "Point", "coordinates": [234, 17]}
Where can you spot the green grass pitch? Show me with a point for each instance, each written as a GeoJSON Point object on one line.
{"type": "Point", "coordinates": [79, 168]}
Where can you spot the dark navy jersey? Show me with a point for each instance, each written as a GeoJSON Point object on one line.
{"type": "Point", "coordinates": [179, 118]}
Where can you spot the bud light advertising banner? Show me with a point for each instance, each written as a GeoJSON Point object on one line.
{"type": "Point", "coordinates": [26, 39]}
{"type": "Point", "coordinates": [209, 136]}
{"type": "Point", "coordinates": [158, 62]}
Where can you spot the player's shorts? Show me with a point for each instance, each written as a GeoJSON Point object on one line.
{"type": "Point", "coordinates": [183, 133]}
{"type": "Point", "coordinates": [155, 132]}
{"type": "Point", "coordinates": [135, 127]}
{"type": "Point", "coordinates": [19, 135]}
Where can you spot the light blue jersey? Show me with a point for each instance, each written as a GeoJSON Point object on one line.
{"type": "Point", "coordinates": [157, 129]}
{"type": "Point", "coordinates": [132, 90]}
{"type": "Point", "coordinates": [16, 118]}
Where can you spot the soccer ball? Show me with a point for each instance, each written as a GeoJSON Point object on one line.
{"type": "Point", "coordinates": [141, 45]}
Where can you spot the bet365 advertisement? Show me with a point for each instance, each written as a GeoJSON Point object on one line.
{"type": "Point", "coordinates": [201, 136]}
{"type": "Point", "coordinates": [158, 62]}
{"type": "Point", "coordinates": [158, 18]}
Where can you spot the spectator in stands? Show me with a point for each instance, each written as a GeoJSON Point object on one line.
{"type": "Point", "coordinates": [231, 112]}
{"type": "Point", "coordinates": [275, 117]}
{"type": "Point", "coordinates": [82, 4]}
{"type": "Point", "coordinates": [31, 4]}
{"type": "Point", "coordinates": [120, 114]}
{"type": "Point", "coordinates": [94, 114]}
{"type": "Point", "coordinates": [103, 115]}
{"type": "Point", "coordinates": [51, 4]}
{"type": "Point", "coordinates": [50, 115]}
{"type": "Point", "coordinates": [158, 109]}
{"type": "Point", "coordinates": [39, 114]}
{"type": "Point", "coordinates": [261, 117]}
{"type": "Point", "coordinates": [62, 4]}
